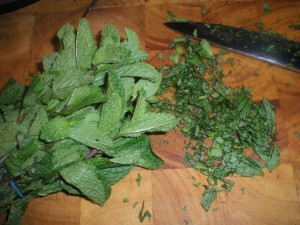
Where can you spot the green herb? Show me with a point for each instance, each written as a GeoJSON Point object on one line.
{"type": "Point", "coordinates": [267, 9]}
{"type": "Point", "coordinates": [172, 17]}
{"type": "Point", "coordinates": [160, 55]}
{"type": "Point", "coordinates": [208, 197]}
{"type": "Point", "coordinates": [215, 209]}
{"type": "Point", "coordinates": [126, 199]}
{"type": "Point", "coordinates": [222, 123]}
{"type": "Point", "coordinates": [143, 215]}
{"type": "Point", "coordinates": [184, 209]}
{"type": "Point", "coordinates": [294, 26]}
{"type": "Point", "coordinates": [243, 190]}
{"type": "Point", "coordinates": [195, 33]}
{"type": "Point", "coordinates": [186, 222]}
{"type": "Point", "coordinates": [82, 124]}
{"type": "Point", "coordinates": [204, 11]}
{"type": "Point", "coordinates": [138, 179]}
{"type": "Point", "coordinates": [197, 184]}
{"type": "Point", "coordinates": [134, 205]}
{"type": "Point", "coordinates": [297, 134]}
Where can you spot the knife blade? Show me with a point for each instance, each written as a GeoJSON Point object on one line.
{"type": "Point", "coordinates": [273, 49]}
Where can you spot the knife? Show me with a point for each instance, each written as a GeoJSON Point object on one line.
{"type": "Point", "coordinates": [273, 49]}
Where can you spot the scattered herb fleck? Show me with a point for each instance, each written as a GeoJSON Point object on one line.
{"type": "Point", "coordinates": [195, 33]}
{"type": "Point", "coordinates": [297, 134]}
{"type": "Point", "coordinates": [143, 215]}
{"type": "Point", "coordinates": [288, 85]}
{"type": "Point", "coordinates": [204, 10]}
{"type": "Point", "coordinates": [160, 55]}
{"type": "Point", "coordinates": [125, 199]}
{"type": "Point", "coordinates": [267, 9]}
{"type": "Point", "coordinates": [294, 26]}
{"type": "Point", "coordinates": [197, 184]}
{"type": "Point", "coordinates": [134, 205]}
{"type": "Point", "coordinates": [172, 17]}
{"type": "Point", "coordinates": [139, 179]}
{"type": "Point", "coordinates": [215, 209]}
{"type": "Point", "coordinates": [243, 190]}
{"type": "Point", "coordinates": [222, 122]}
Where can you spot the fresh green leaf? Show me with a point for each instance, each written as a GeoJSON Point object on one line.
{"type": "Point", "coordinates": [136, 151]}
{"type": "Point", "coordinates": [85, 45]}
{"type": "Point", "coordinates": [86, 131]}
{"type": "Point", "coordinates": [66, 152]}
{"type": "Point", "coordinates": [133, 45]}
{"type": "Point", "coordinates": [145, 121]}
{"type": "Point", "coordinates": [113, 109]}
{"type": "Point", "coordinates": [8, 133]}
{"type": "Point", "coordinates": [18, 162]}
{"type": "Point", "coordinates": [11, 93]}
{"type": "Point", "coordinates": [63, 132]}
{"type": "Point", "coordinates": [84, 96]}
{"type": "Point", "coordinates": [56, 129]}
{"type": "Point", "coordinates": [83, 176]}
{"type": "Point", "coordinates": [139, 70]}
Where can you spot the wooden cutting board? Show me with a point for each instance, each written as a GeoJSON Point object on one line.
{"type": "Point", "coordinates": [28, 34]}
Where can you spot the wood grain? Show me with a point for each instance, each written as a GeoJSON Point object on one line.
{"type": "Point", "coordinates": [169, 193]}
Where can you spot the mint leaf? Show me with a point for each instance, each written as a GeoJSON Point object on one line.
{"type": "Point", "coordinates": [65, 83]}
{"type": "Point", "coordinates": [84, 96]}
{"type": "Point", "coordinates": [48, 60]}
{"type": "Point", "coordinates": [63, 132]}
{"type": "Point", "coordinates": [139, 70]}
{"type": "Point", "coordinates": [56, 129]}
{"type": "Point", "coordinates": [113, 109]}
{"type": "Point", "coordinates": [133, 45]}
{"type": "Point", "coordinates": [113, 172]}
{"type": "Point", "coordinates": [145, 121]}
{"type": "Point", "coordinates": [86, 131]}
{"type": "Point", "coordinates": [149, 87]}
{"type": "Point", "coordinates": [85, 45]}
{"type": "Point", "coordinates": [110, 50]}
{"type": "Point", "coordinates": [65, 60]}
{"type": "Point", "coordinates": [66, 152]}
{"type": "Point", "coordinates": [12, 92]}
{"type": "Point", "coordinates": [40, 119]}
{"type": "Point", "coordinates": [8, 133]}
{"type": "Point", "coordinates": [136, 151]}
{"type": "Point", "coordinates": [16, 163]}
{"type": "Point", "coordinates": [83, 176]}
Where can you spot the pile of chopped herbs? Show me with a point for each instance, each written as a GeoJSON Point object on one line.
{"type": "Point", "coordinates": [229, 133]}
{"type": "Point", "coordinates": [82, 123]}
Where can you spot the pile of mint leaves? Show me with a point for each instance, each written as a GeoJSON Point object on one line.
{"type": "Point", "coordinates": [83, 122]}
{"type": "Point", "coordinates": [229, 134]}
